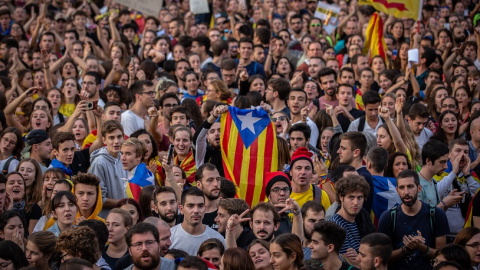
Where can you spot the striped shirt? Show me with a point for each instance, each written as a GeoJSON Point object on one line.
{"type": "Point", "coordinates": [353, 235]}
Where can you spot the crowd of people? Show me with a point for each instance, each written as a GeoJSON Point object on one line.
{"type": "Point", "coordinates": [110, 150]}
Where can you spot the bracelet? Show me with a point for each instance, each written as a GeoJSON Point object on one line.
{"type": "Point", "coordinates": [444, 205]}
{"type": "Point", "coordinates": [296, 213]}
{"type": "Point", "coordinates": [229, 229]}
{"type": "Point", "coordinates": [170, 180]}
{"type": "Point", "coordinates": [427, 251]}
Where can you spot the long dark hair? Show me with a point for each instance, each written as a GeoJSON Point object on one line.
{"type": "Point", "coordinates": [11, 251]}
{"type": "Point", "coordinates": [142, 131]}
{"type": "Point", "coordinates": [391, 159]}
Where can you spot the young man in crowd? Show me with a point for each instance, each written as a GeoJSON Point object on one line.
{"type": "Point", "coordinates": [374, 252]}
{"type": "Point", "coordinates": [191, 233]}
{"type": "Point", "coordinates": [166, 204]}
{"type": "Point", "coordinates": [89, 196]}
{"type": "Point", "coordinates": [134, 119]}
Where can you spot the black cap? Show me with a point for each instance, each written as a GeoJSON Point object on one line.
{"type": "Point", "coordinates": [36, 136]}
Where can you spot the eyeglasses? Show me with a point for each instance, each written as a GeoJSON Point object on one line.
{"type": "Point", "coordinates": [315, 24]}
{"type": "Point", "coordinates": [88, 83]}
{"type": "Point", "coordinates": [150, 93]}
{"type": "Point", "coordinates": [450, 106]}
{"type": "Point", "coordinates": [277, 190]}
{"type": "Point", "coordinates": [281, 118]}
{"type": "Point", "coordinates": [11, 142]}
{"type": "Point", "coordinates": [5, 265]}
{"type": "Point", "coordinates": [168, 105]}
{"type": "Point", "coordinates": [473, 245]}
{"type": "Point", "coordinates": [149, 244]}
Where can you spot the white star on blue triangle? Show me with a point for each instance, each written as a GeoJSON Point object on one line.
{"type": "Point", "coordinates": [391, 195]}
{"type": "Point", "coordinates": [250, 123]}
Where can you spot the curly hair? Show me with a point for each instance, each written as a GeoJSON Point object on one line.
{"type": "Point", "coordinates": [79, 242]}
{"type": "Point", "coordinates": [352, 183]}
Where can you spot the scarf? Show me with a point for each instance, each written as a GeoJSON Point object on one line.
{"type": "Point", "coordinates": [57, 164]}
{"type": "Point", "coordinates": [19, 205]}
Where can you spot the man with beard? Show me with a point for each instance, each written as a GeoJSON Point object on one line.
{"type": "Point", "coordinates": [143, 245]}
{"type": "Point", "coordinates": [458, 36]}
{"type": "Point", "coordinates": [207, 179]}
{"type": "Point", "coordinates": [457, 177]}
{"type": "Point", "coordinates": [207, 140]}
{"type": "Point", "coordinates": [434, 160]}
{"type": "Point", "coordinates": [278, 190]}
{"type": "Point", "coordinates": [297, 101]}
{"type": "Point", "coordinates": [143, 94]}
{"type": "Point", "coordinates": [227, 208]}
{"type": "Point", "coordinates": [414, 246]}
{"type": "Point", "coordinates": [91, 85]}
{"type": "Point", "coordinates": [276, 94]}
{"type": "Point", "coordinates": [296, 25]}
{"type": "Point", "coordinates": [327, 238]}
{"type": "Point", "coordinates": [374, 252]}
{"type": "Point", "coordinates": [163, 231]}
{"type": "Point", "coordinates": [352, 191]}
{"type": "Point", "coordinates": [328, 84]}
{"type": "Point", "coordinates": [191, 233]}
{"type": "Point", "coordinates": [166, 205]}
{"type": "Point", "coordinates": [312, 213]}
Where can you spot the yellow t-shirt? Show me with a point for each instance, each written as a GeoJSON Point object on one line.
{"type": "Point", "coordinates": [302, 198]}
{"type": "Point", "coordinates": [67, 109]}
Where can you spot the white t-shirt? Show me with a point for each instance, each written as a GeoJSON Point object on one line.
{"type": "Point", "coordinates": [190, 243]}
{"type": "Point", "coordinates": [131, 122]}
{"type": "Point", "coordinates": [423, 137]}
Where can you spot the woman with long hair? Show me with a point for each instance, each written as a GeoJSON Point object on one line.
{"type": "Point", "coordinates": [184, 155]}
{"type": "Point", "coordinates": [218, 91]}
{"type": "Point", "coordinates": [12, 227]}
{"type": "Point", "coordinates": [259, 251]}
{"type": "Point", "coordinates": [151, 157]}
{"type": "Point", "coordinates": [397, 162]}
{"type": "Point", "coordinates": [469, 238]}
{"type": "Point", "coordinates": [211, 250]}
{"type": "Point", "coordinates": [448, 127]}
{"type": "Point", "coordinates": [70, 90]}
{"type": "Point", "coordinates": [133, 208]}
{"type": "Point", "coordinates": [33, 176]}
{"type": "Point", "coordinates": [12, 142]}
{"type": "Point", "coordinates": [64, 211]}
{"type": "Point", "coordinates": [12, 256]}
{"type": "Point", "coordinates": [40, 249]}
{"type": "Point", "coordinates": [16, 187]}
{"type": "Point", "coordinates": [434, 105]}
{"type": "Point", "coordinates": [286, 252]}
{"type": "Point", "coordinates": [118, 222]}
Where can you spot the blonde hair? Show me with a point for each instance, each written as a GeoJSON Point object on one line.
{"type": "Point", "coordinates": [140, 148]}
{"type": "Point", "coordinates": [222, 87]}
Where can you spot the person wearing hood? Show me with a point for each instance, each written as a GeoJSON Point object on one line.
{"type": "Point", "coordinates": [132, 154]}
{"type": "Point", "coordinates": [107, 165]}
{"type": "Point", "coordinates": [86, 187]}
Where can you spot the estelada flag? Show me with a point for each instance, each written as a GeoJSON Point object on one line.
{"type": "Point", "coordinates": [374, 40]}
{"type": "Point", "coordinates": [249, 150]}
{"type": "Point", "coordinates": [384, 198]}
{"type": "Point", "coordinates": [397, 8]}
{"type": "Point", "coordinates": [141, 178]}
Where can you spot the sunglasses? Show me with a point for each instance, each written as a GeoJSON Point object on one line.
{"type": "Point", "coordinates": [315, 24]}
{"type": "Point", "coordinates": [280, 118]}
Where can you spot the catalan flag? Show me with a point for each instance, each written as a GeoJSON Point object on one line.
{"type": "Point", "coordinates": [249, 150]}
{"type": "Point", "coordinates": [385, 196]}
{"type": "Point", "coordinates": [141, 178]}
{"type": "Point", "coordinates": [189, 166]}
{"type": "Point", "coordinates": [374, 41]}
{"type": "Point", "coordinates": [397, 8]}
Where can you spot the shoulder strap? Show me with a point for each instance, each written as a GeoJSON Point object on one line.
{"type": "Point", "coordinates": [6, 165]}
{"type": "Point", "coordinates": [432, 222]}
{"type": "Point", "coordinates": [393, 218]}
{"type": "Point", "coordinates": [361, 124]}
{"type": "Point", "coordinates": [317, 194]}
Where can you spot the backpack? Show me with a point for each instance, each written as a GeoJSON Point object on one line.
{"type": "Point", "coordinates": [361, 123]}
{"type": "Point", "coordinates": [432, 210]}
{"type": "Point", "coordinates": [6, 165]}
{"type": "Point", "coordinates": [317, 190]}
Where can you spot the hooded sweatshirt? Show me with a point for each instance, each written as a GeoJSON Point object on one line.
{"type": "Point", "coordinates": [111, 173]}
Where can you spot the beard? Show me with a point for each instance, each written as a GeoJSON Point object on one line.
{"type": "Point", "coordinates": [411, 202]}
{"type": "Point", "coordinates": [269, 236]}
{"type": "Point", "coordinates": [169, 219]}
{"type": "Point", "coordinates": [459, 40]}
{"type": "Point", "coordinates": [211, 196]}
{"type": "Point", "coordinates": [330, 92]}
{"type": "Point", "coordinates": [308, 235]}
{"type": "Point", "coordinates": [154, 262]}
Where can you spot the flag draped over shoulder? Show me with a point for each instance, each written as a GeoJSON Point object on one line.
{"type": "Point", "coordinates": [397, 8]}
{"type": "Point", "coordinates": [249, 150]}
{"type": "Point", "coordinates": [385, 196]}
{"type": "Point", "coordinates": [141, 178]}
{"type": "Point", "coordinates": [374, 41]}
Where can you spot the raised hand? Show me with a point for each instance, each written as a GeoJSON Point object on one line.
{"type": "Point", "coordinates": [235, 220]}
{"type": "Point", "coordinates": [290, 206]}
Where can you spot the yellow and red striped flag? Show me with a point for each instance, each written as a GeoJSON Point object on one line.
{"type": "Point", "coordinates": [374, 41]}
{"type": "Point", "coordinates": [397, 8]}
{"type": "Point", "coordinates": [249, 150]}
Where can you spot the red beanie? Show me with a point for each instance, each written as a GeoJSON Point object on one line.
{"type": "Point", "coordinates": [273, 177]}
{"type": "Point", "coordinates": [302, 153]}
